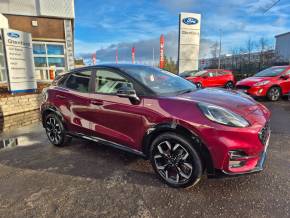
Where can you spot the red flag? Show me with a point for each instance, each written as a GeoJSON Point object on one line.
{"type": "Point", "coordinates": [94, 58]}
{"type": "Point", "coordinates": [133, 55]}
{"type": "Point", "coordinates": [161, 60]}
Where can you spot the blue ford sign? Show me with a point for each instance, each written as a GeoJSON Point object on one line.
{"type": "Point", "coordinates": [13, 35]}
{"type": "Point", "coordinates": [190, 21]}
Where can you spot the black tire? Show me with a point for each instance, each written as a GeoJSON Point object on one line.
{"type": "Point", "coordinates": [274, 93]}
{"type": "Point", "coordinates": [229, 85]}
{"type": "Point", "coordinates": [198, 85]}
{"type": "Point", "coordinates": [55, 130]}
{"type": "Point", "coordinates": [178, 166]}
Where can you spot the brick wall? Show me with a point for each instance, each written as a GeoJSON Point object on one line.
{"type": "Point", "coordinates": [18, 111]}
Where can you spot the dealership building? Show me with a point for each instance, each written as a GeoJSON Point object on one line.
{"type": "Point", "coordinates": [51, 25]}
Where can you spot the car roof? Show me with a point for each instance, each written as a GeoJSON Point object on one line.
{"type": "Point", "coordinates": [111, 65]}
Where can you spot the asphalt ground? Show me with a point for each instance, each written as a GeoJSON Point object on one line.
{"type": "Point", "coordinates": [87, 179]}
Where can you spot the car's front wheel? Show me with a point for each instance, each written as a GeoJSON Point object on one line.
{"type": "Point", "coordinates": [175, 160]}
{"type": "Point", "coordinates": [229, 85]}
{"type": "Point", "coordinates": [55, 130]}
{"type": "Point", "coordinates": [198, 85]}
{"type": "Point", "coordinates": [274, 93]}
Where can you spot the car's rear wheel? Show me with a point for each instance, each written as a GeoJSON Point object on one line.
{"type": "Point", "coordinates": [198, 85]}
{"type": "Point", "coordinates": [274, 93]}
{"type": "Point", "coordinates": [229, 85]}
{"type": "Point", "coordinates": [175, 160]}
{"type": "Point", "coordinates": [55, 130]}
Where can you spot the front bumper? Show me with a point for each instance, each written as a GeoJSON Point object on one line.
{"type": "Point", "coordinates": [259, 166]}
{"type": "Point", "coordinates": [255, 91]}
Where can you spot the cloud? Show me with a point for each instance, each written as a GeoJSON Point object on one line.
{"type": "Point", "coordinates": [144, 50]}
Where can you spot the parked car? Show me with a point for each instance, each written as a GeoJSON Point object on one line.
{"type": "Point", "coordinates": [182, 130]}
{"type": "Point", "coordinates": [272, 83]}
{"type": "Point", "coordinates": [186, 74]}
{"type": "Point", "coordinates": [213, 78]}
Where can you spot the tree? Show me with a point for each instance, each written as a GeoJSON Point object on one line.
{"type": "Point", "coordinates": [170, 65]}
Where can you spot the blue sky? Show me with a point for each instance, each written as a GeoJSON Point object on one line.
{"type": "Point", "coordinates": [104, 25]}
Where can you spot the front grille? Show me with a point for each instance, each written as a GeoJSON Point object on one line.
{"type": "Point", "coordinates": [264, 133]}
{"type": "Point", "coordinates": [243, 87]}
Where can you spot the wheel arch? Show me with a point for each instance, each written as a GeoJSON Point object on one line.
{"type": "Point", "coordinates": [51, 109]}
{"type": "Point", "coordinates": [200, 147]}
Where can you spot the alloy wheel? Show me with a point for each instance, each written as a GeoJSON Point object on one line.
{"type": "Point", "coordinates": [198, 85]}
{"type": "Point", "coordinates": [229, 85]}
{"type": "Point", "coordinates": [54, 130]}
{"type": "Point", "coordinates": [274, 94]}
{"type": "Point", "coordinates": [173, 162]}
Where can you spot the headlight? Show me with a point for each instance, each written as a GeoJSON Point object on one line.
{"type": "Point", "coordinates": [222, 115]}
{"type": "Point", "coordinates": [262, 83]}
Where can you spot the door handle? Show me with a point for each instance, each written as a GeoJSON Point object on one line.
{"type": "Point", "coordinates": [97, 102]}
{"type": "Point", "coordinates": [61, 96]}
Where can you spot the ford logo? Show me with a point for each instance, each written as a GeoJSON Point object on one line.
{"type": "Point", "coordinates": [13, 35]}
{"type": "Point", "coordinates": [190, 21]}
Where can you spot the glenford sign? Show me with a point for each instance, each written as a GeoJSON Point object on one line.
{"type": "Point", "coordinates": [189, 40]}
{"type": "Point", "coordinates": [19, 59]}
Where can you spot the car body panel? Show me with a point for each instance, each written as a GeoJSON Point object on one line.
{"type": "Point", "coordinates": [117, 119]}
{"type": "Point", "coordinates": [213, 78]}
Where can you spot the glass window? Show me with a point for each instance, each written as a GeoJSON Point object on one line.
{"type": "Point", "coordinates": [3, 75]}
{"type": "Point", "coordinates": [287, 73]}
{"type": "Point", "coordinates": [159, 81]}
{"type": "Point", "coordinates": [57, 62]}
{"type": "Point", "coordinates": [40, 62]}
{"type": "Point", "coordinates": [79, 81]}
{"type": "Point", "coordinates": [270, 72]}
{"type": "Point", "coordinates": [109, 82]}
{"type": "Point", "coordinates": [55, 49]}
{"type": "Point", "coordinates": [39, 49]}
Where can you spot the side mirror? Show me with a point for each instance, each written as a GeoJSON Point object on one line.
{"type": "Point", "coordinates": [285, 77]}
{"type": "Point", "coordinates": [204, 77]}
{"type": "Point", "coordinates": [128, 92]}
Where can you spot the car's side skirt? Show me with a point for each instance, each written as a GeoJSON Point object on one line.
{"type": "Point", "coordinates": [108, 143]}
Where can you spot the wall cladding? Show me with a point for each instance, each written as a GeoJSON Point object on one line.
{"type": "Point", "coordinates": [19, 104]}
{"type": "Point", "coordinates": [18, 111]}
{"type": "Point", "coordinates": [46, 8]}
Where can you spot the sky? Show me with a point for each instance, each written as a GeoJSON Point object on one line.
{"type": "Point", "coordinates": [101, 26]}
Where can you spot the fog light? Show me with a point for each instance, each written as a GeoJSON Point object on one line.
{"type": "Point", "coordinates": [237, 158]}
{"type": "Point", "coordinates": [260, 91]}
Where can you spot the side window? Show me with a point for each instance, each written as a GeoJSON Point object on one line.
{"type": "Point", "coordinates": [221, 73]}
{"type": "Point", "coordinates": [79, 81]}
{"type": "Point", "coordinates": [108, 82]}
{"type": "Point", "coordinates": [287, 73]}
{"type": "Point", "coordinates": [211, 74]}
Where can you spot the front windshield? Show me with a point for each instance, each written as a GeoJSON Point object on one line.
{"type": "Point", "coordinates": [270, 72]}
{"type": "Point", "coordinates": [159, 81]}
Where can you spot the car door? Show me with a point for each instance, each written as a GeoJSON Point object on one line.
{"type": "Point", "coordinates": [115, 118]}
{"type": "Point", "coordinates": [220, 78]}
{"type": "Point", "coordinates": [210, 80]}
{"type": "Point", "coordinates": [73, 101]}
{"type": "Point", "coordinates": [285, 82]}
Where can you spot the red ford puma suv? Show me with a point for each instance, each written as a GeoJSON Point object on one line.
{"type": "Point", "coordinates": [184, 131]}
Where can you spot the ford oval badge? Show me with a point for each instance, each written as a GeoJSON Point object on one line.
{"type": "Point", "coordinates": [190, 21]}
{"type": "Point", "coordinates": [13, 35]}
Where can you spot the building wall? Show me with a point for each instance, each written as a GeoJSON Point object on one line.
{"type": "Point", "coordinates": [44, 8]}
{"type": "Point", "coordinates": [283, 46]}
{"type": "Point", "coordinates": [48, 29]}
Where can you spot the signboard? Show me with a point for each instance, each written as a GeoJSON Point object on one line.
{"type": "Point", "coordinates": [189, 41]}
{"type": "Point", "coordinates": [19, 59]}
{"type": "Point", "coordinates": [69, 45]}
